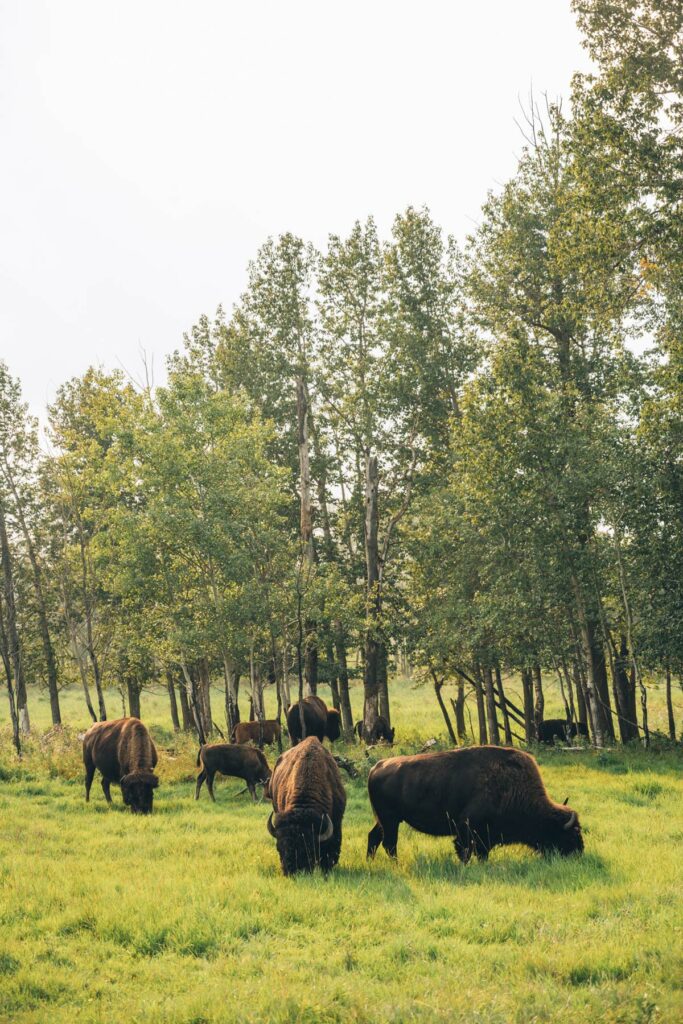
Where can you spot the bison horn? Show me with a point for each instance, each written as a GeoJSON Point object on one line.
{"type": "Point", "coordinates": [272, 825]}
{"type": "Point", "coordinates": [329, 829]}
{"type": "Point", "coordinates": [565, 801]}
{"type": "Point", "coordinates": [571, 822]}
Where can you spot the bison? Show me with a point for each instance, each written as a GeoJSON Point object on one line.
{"type": "Point", "coordinates": [379, 733]}
{"type": "Point", "coordinates": [268, 732]}
{"type": "Point", "coordinates": [319, 720]}
{"type": "Point", "coordinates": [231, 759]}
{"type": "Point", "coordinates": [561, 729]}
{"type": "Point", "coordinates": [308, 806]}
{"type": "Point", "coordinates": [123, 752]}
{"type": "Point", "coordinates": [480, 796]}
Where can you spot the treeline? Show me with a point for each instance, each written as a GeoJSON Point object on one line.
{"type": "Point", "coordinates": [469, 456]}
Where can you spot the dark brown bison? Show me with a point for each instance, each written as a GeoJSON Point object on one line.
{"type": "Point", "coordinates": [231, 759]}
{"type": "Point", "coordinates": [561, 729]}
{"type": "Point", "coordinates": [308, 806]}
{"type": "Point", "coordinates": [481, 796]}
{"type": "Point", "coordinates": [123, 752]}
{"type": "Point", "coordinates": [319, 720]}
{"type": "Point", "coordinates": [267, 732]}
{"type": "Point", "coordinates": [380, 732]}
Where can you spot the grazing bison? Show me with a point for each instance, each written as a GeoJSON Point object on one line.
{"type": "Point", "coordinates": [231, 759]}
{"type": "Point", "coordinates": [561, 729]}
{"type": "Point", "coordinates": [308, 806]}
{"type": "Point", "coordinates": [123, 752]}
{"type": "Point", "coordinates": [481, 796]}
{"type": "Point", "coordinates": [268, 732]}
{"type": "Point", "coordinates": [380, 732]}
{"type": "Point", "coordinates": [319, 720]}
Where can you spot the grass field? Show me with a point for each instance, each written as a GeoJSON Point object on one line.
{"type": "Point", "coordinates": [185, 917]}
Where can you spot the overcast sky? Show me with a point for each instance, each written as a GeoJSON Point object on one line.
{"type": "Point", "coordinates": [148, 148]}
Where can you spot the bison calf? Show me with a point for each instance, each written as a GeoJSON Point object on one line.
{"type": "Point", "coordinates": [319, 720]}
{"type": "Point", "coordinates": [231, 759]}
{"type": "Point", "coordinates": [268, 732]}
{"type": "Point", "coordinates": [123, 752]}
{"type": "Point", "coordinates": [308, 806]}
{"type": "Point", "coordinates": [559, 728]}
{"type": "Point", "coordinates": [480, 796]}
{"type": "Point", "coordinates": [379, 733]}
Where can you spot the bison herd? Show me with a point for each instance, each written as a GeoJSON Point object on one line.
{"type": "Point", "coordinates": [481, 797]}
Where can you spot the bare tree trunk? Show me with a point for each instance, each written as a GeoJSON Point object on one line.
{"type": "Point", "coordinates": [481, 712]}
{"type": "Point", "coordinates": [256, 688]}
{"type": "Point", "coordinates": [172, 700]}
{"type": "Point", "coordinates": [582, 710]}
{"type": "Point", "coordinates": [232, 686]}
{"type": "Point", "coordinates": [373, 599]}
{"type": "Point", "coordinates": [503, 707]}
{"type": "Point", "coordinates": [192, 697]}
{"type": "Point", "coordinates": [629, 640]}
{"type": "Point", "coordinates": [530, 732]}
{"type": "Point", "coordinates": [491, 716]}
{"type": "Point", "coordinates": [588, 644]}
{"type": "Point", "coordinates": [14, 647]}
{"type": "Point", "coordinates": [438, 683]}
{"type": "Point", "coordinates": [203, 695]}
{"type": "Point", "coordinates": [669, 704]}
{"type": "Point", "coordinates": [185, 707]}
{"type": "Point", "coordinates": [383, 683]}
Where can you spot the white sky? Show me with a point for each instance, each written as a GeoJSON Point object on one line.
{"type": "Point", "coordinates": [149, 147]}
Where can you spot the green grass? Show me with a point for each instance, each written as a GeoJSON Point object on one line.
{"type": "Point", "coordinates": [185, 917]}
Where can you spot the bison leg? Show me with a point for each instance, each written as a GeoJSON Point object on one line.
{"type": "Point", "coordinates": [252, 789]}
{"type": "Point", "coordinates": [390, 836]}
{"type": "Point", "coordinates": [89, 776]}
{"type": "Point", "coordinates": [463, 850]}
{"type": "Point", "coordinates": [106, 789]}
{"type": "Point", "coordinates": [329, 853]}
{"type": "Point", "coordinates": [374, 840]}
{"type": "Point", "coordinates": [209, 784]}
{"type": "Point", "coordinates": [200, 779]}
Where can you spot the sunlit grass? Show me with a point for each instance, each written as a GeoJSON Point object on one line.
{"type": "Point", "coordinates": [185, 917]}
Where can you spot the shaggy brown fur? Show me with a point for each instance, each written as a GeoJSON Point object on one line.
{"type": "Point", "coordinates": [308, 800]}
{"type": "Point", "coordinates": [231, 759]}
{"type": "Point", "coordinates": [481, 796]}
{"type": "Point", "coordinates": [261, 733]}
{"type": "Point", "coordinates": [123, 752]}
{"type": "Point", "coordinates": [319, 720]}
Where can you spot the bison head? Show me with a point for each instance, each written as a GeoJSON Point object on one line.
{"type": "Point", "coordinates": [299, 836]}
{"type": "Point", "coordinates": [137, 790]}
{"type": "Point", "coordinates": [333, 725]}
{"type": "Point", "coordinates": [567, 838]}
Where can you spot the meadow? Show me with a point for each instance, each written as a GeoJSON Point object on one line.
{"type": "Point", "coordinates": [185, 918]}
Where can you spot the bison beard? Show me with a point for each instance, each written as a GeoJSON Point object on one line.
{"type": "Point", "coordinates": [308, 806]}
{"type": "Point", "coordinates": [482, 797]}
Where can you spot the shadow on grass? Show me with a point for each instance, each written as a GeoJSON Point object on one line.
{"type": "Point", "coordinates": [553, 874]}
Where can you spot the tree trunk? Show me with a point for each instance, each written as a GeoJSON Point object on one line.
{"type": "Point", "coordinates": [459, 711]}
{"type": "Point", "coordinates": [373, 601]}
{"type": "Point", "coordinates": [530, 732]}
{"type": "Point", "coordinates": [621, 685]}
{"type": "Point", "coordinates": [491, 716]}
{"type": "Point", "coordinates": [629, 640]}
{"type": "Point", "coordinates": [344, 694]}
{"type": "Point", "coordinates": [503, 706]}
{"type": "Point", "coordinates": [203, 695]}
{"type": "Point", "coordinates": [185, 706]}
{"type": "Point", "coordinates": [14, 647]}
{"type": "Point", "coordinates": [306, 526]}
{"type": "Point", "coordinates": [438, 683]}
{"type": "Point", "coordinates": [581, 708]}
{"type": "Point", "coordinates": [591, 662]}
{"type": "Point", "coordinates": [133, 688]}
{"type": "Point", "coordinates": [256, 689]}
{"type": "Point", "coordinates": [4, 649]}
{"type": "Point", "coordinates": [669, 704]}
{"type": "Point", "coordinates": [172, 700]}
{"type": "Point", "coordinates": [331, 669]}
{"type": "Point", "coordinates": [481, 712]}
{"type": "Point", "coordinates": [383, 683]}
{"type": "Point", "coordinates": [232, 686]}
{"type": "Point", "coordinates": [539, 700]}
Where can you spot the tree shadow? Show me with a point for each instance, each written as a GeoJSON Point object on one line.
{"type": "Point", "coordinates": [554, 874]}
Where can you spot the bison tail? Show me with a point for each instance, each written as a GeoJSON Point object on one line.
{"type": "Point", "coordinates": [199, 756]}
